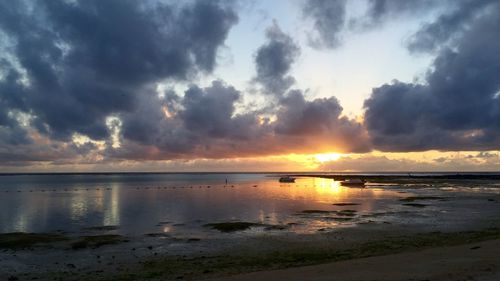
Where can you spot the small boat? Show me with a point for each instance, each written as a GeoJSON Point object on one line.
{"type": "Point", "coordinates": [353, 182]}
{"type": "Point", "coordinates": [287, 179]}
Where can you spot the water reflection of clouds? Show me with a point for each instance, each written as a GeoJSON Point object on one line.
{"type": "Point", "coordinates": [140, 210]}
{"type": "Point", "coordinates": [21, 222]}
{"type": "Point", "coordinates": [78, 206]}
{"type": "Point", "coordinates": [82, 203]}
{"type": "Point", "coordinates": [59, 209]}
{"type": "Point", "coordinates": [112, 207]}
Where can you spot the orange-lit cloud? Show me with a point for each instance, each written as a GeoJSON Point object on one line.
{"type": "Point", "coordinates": [139, 97]}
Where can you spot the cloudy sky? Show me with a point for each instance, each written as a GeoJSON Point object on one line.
{"type": "Point", "coordinates": [282, 85]}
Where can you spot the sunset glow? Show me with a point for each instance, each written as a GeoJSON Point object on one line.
{"type": "Point", "coordinates": [275, 85]}
{"type": "Point", "coordinates": [326, 157]}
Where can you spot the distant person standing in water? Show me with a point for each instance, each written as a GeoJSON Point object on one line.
{"type": "Point", "coordinates": [226, 180]}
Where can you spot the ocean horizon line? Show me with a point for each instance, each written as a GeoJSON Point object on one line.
{"type": "Point", "coordinates": [297, 173]}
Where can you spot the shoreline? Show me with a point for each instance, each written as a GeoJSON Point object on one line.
{"type": "Point", "coordinates": [265, 254]}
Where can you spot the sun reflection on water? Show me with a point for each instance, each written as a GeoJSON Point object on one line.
{"type": "Point", "coordinates": [138, 208]}
{"type": "Point", "coordinates": [112, 214]}
{"type": "Point", "coordinates": [327, 186]}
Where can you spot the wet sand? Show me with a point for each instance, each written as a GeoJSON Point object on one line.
{"type": "Point", "coordinates": [476, 261]}
{"type": "Point", "coordinates": [364, 250]}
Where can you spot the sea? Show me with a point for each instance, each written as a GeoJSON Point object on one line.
{"type": "Point", "coordinates": [187, 203]}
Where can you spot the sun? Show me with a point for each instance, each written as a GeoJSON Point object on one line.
{"type": "Point", "coordinates": [327, 157]}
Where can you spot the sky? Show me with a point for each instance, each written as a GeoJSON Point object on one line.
{"type": "Point", "coordinates": [297, 85]}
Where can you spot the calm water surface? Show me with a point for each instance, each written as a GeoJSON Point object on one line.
{"type": "Point", "coordinates": [183, 203]}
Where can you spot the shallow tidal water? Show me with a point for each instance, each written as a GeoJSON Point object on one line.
{"type": "Point", "coordinates": [182, 204]}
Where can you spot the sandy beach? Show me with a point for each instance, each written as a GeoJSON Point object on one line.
{"type": "Point", "coordinates": [476, 261]}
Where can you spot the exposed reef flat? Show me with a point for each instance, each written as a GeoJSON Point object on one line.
{"type": "Point", "coordinates": [400, 176]}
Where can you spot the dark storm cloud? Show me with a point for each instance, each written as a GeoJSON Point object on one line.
{"type": "Point", "coordinates": [189, 125]}
{"type": "Point", "coordinates": [205, 123]}
{"type": "Point", "coordinates": [300, 117]}
{"type": "Point", "coordinates": [13, 134]}
{"type": "Point", "coordinates": [209, 111]}
{"type": "Point", "coordinates": [80, 62]}
{"type": "Point", "coordinates": [453, 18]}
{"type": "Point", "coordinates": [458, 108]}
{"type": "Point", "coordinates": [319, 119]}
{"type": "Point", "coordinates": [156, 43]}
{"type": "Point", "coordinates": [45, 151]}
{"type": "Point", "coordinates": [274, 60]}
{"type": "Point", "coordinates": [459, 14]}
{"type": "Point", "coordinates": [379, 11]}
{"type": "Point", "coordinates": [328, 17]}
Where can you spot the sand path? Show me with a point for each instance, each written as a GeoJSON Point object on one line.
{"type": "Point", "coordinates": [464, 262]}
